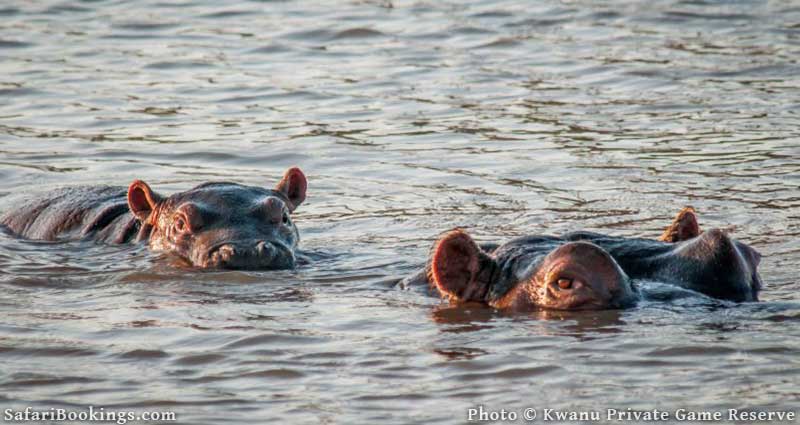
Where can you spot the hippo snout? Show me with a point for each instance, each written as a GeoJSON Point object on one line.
{"type": "Point", "coordinates": [253, 255]}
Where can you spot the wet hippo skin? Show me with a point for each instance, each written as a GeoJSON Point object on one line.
{"type": "Point", "coordinates": [585, 270]}
{"type": "Point", "coordinates": [710, 262]}
{"type": "Point", "coordinates": [214, 225]}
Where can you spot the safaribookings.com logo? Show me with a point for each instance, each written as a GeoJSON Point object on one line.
{"type": "Point", "coordinates": [91, 414]}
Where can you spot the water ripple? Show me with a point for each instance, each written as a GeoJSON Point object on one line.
{"type": "Point", "coordinates": [410, 118]}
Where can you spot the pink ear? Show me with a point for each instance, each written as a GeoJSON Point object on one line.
{"type": "Point", "coordinates": [456, 265]}
{"type": "Point", "coordinates": [683, 227]}
{"type": "Point", "coordinates": [294, 186]}
{"type": "Point", "coordinates": [141, 199]}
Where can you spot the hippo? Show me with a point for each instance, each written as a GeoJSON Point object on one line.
{"type": "Point", "coordinates": [214, 225]}
{"type": "Point", "coordinates": [586, 270]}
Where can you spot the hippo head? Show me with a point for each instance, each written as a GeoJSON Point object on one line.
{"type": "Point", "coordinates": [719, 266]}
{"type": "Point", "coordinates": [223, 225]}
{"type": "Point", "coordinates": [570, 276]}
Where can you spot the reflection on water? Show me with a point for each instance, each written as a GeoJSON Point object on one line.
{"type": "Point", "coordinates": [504, 117]}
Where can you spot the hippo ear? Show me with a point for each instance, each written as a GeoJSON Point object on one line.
{"type": "Point", "coordinates": [293, 185]}
{"type": "Point", "coordinates": [683, 227]}
{"type": "Point", "coordinates": [141, 199]}
{"type": "Point", "coordinates": [459, 269]}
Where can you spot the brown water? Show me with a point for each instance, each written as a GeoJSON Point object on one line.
{"type": "Point", "coordinates": [506, 117]}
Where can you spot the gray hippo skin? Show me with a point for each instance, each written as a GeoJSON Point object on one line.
{"type": "Point", "coordinates": [709, 262]}
{"type": "Point", "coordinates": [214, 225]}
{"type": "Point", "coordinates": [585, 270]}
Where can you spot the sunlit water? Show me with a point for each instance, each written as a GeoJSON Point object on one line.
{"type": "Point", "coordinates": [409, 118]}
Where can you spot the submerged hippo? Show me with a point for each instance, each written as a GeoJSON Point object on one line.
{"type": "Point", "coordinates": [214, 225]}
{"type": "Point", "coordinates": [583, 270]}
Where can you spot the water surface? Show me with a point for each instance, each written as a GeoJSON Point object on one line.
{"type": "Point", "coordinates": [409, 118]}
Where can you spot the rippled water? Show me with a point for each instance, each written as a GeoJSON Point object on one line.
{"type": "Point", "coordinates": [409, 118]}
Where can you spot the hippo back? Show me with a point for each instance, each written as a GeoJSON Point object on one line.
{"type": "Point", "coordinates": [96, 212]}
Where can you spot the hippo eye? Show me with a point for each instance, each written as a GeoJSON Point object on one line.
{"type": "Point", "coordinates": [180, 224]}
{"type": "Point", "coordinates": [564, 283]}
{"type": "Point", "coordinates": [286, 219]}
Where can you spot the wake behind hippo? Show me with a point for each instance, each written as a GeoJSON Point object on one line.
{"type": "Point", "coordinates": [214, 225]}
{"type": "Point", "coordinates": [584, 270]}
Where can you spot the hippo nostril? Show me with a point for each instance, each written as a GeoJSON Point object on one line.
{"type": "Point", "coordinates": [251, 255]}
{"type": "Point", "coordinates": [227, 252]}
{"type": "Point", "coordinates": [264, 249]}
